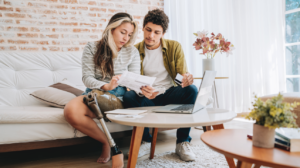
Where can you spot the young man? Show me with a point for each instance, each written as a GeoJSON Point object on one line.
{"type": "Point", "coordinates": [163, 59]}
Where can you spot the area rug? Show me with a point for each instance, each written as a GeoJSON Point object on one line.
{"type": "Point", "coordinates": [205, 158]}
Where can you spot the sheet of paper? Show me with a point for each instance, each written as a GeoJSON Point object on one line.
{"type": "Point", "coordinates": [135, 81]}
{"type": "Point", "coordinates": [129, 116]}
{"type": "Point", "coordinates": [126, 112]}
{"type": "Point", "coordinates": [291, 133]}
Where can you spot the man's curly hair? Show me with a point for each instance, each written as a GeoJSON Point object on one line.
{"type": "Point", "coordinates": [157, 17]}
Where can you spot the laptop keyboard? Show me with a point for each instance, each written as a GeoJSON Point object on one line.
{"type": "Point", "coordinates": [183, 107]}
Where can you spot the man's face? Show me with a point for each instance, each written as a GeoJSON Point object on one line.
{"type": "Point", "coordinates": [152, 35]}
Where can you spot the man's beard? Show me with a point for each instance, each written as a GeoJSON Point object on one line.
{"type": "Point", "coordinates": [147, 45]}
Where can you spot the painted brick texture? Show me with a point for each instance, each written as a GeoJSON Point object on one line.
{"type": "Point", "coordinates": [62, 25]}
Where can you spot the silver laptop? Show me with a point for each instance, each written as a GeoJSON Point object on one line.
{"type": "Point", "coordinates": [204, 93]}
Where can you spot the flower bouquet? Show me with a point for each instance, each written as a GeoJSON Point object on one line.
{"type": "Point", "coordinates": [212, 45]}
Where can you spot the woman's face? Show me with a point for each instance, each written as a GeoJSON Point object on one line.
{"type": "Point", "coordinates": [122, 34]}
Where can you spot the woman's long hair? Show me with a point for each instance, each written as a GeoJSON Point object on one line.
{"type": "Point", "coordinates": [106, 47]}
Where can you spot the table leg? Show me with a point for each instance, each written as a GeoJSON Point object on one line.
{"type": "Point", "coordinates": [204, 128]}
{"type": "Point", "coordinates": [208, 128]}
{"type": "Point", "coordinates": [220, 126]}
{"type": "Point", "coordinates": [153, 142]}
{"type": "Point", "coordinates": [136, 139]}
{"type": "Point", "coordinates": [229, 160]}
{"type": "Point", "coordinates": [241, 164]}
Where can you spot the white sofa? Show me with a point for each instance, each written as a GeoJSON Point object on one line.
{"type": "Point", "coordinates": [25, 121]}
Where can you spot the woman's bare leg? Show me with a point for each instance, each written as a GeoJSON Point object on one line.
{"type": "Point", "coordinates": [80, 117]}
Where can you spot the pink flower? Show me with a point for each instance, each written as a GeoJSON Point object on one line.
{"type": "Point", "coordinates": [229, 52]}
{"type": "Point", "coordinates": [219, 36]}
{"type": "Point", "coordinates": [212, 44]}
{"type": "Point", "coordinates": [222, 43]}
{"type": "Point", "coordinates": [225, 47]}
{"type": "Point", "coordinates": [227, 44]}
{"type": "Point", "coordinates": [198, 44]}
{"type": "Point", "coordinates": [201, 34]}
{"type": "Point", "coordinates": [205, 50]}
{"type": "Point", "coordinates": [205, 39]}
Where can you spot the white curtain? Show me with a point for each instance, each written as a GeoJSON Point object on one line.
{"type": "Point", "coordinates": [255, 27]}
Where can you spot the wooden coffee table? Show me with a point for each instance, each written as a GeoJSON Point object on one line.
{"type": "Point", "coordinates": [235, 144]}
{"type": "Point", "coordinates": [209, 116]}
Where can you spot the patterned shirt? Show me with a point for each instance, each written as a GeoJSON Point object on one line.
{"type": "Point", "coordinates": [128, 59]}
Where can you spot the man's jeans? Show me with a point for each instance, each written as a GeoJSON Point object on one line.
{"type": "Point", "coordinates": [174, 95]}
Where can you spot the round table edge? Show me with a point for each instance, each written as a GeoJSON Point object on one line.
{"type": "Point", "coordinates": [243, 158]}
{"type": "Point", "coordinates": [151, 125]}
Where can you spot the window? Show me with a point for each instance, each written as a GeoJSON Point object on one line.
{"type": "Point", "coordinates": [292, 45]}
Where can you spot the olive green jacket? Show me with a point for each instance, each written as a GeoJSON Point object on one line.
{"type": "Point", "coordinates": [173, 57]}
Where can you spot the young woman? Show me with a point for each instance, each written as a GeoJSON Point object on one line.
{"type": "Point", "coordinates": [103, 62]}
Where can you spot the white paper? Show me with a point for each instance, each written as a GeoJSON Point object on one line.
{"type": "Point", "coordinates": [126, 112]}
{"type": "Point", "coordinates": [135, 81]}
{"type": "Point", "coordinates": [290, 133]}
{"type": "Point", "coordinates": [129, 116]}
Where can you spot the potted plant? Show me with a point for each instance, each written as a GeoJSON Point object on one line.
{"type": "Point", "coordinates": [271, 114]}
{"type": "Point", "coordinates": [210, 46]}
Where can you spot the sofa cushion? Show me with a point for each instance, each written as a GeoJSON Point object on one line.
{"type": "Point", "coordinates": [22, 133]}
{"type": "Point", "coordinates": [22, 73]}
{"type": "Point", "coordinates": [58, 94]}
{"type": "Point", "coordinates": [38, 123]}
{"type": "Point", "coordinates": [31, 114]}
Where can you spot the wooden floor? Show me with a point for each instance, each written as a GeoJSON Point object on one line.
{"type": "Point", "coordinates": [86, 155]}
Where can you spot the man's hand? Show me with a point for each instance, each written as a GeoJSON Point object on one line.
{"type": "Point", "coordinates": [187, 80]}
{"type": "Point", "coordinates": [112, 84]}
{"type": "Point", "coordinates": [148, 92]}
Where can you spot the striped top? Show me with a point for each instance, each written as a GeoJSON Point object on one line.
{"type": "Point", "coordinates": [128, 59]}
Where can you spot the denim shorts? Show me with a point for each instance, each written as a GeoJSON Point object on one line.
{"type": "Point", "coordinates": [118, 92]}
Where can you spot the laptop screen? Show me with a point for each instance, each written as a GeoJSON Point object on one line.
{"type": "Point", "coordinates": [205, 90]}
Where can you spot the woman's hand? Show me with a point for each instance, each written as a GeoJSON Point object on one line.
{"type": "Point", "coordinates": [112, 84]}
